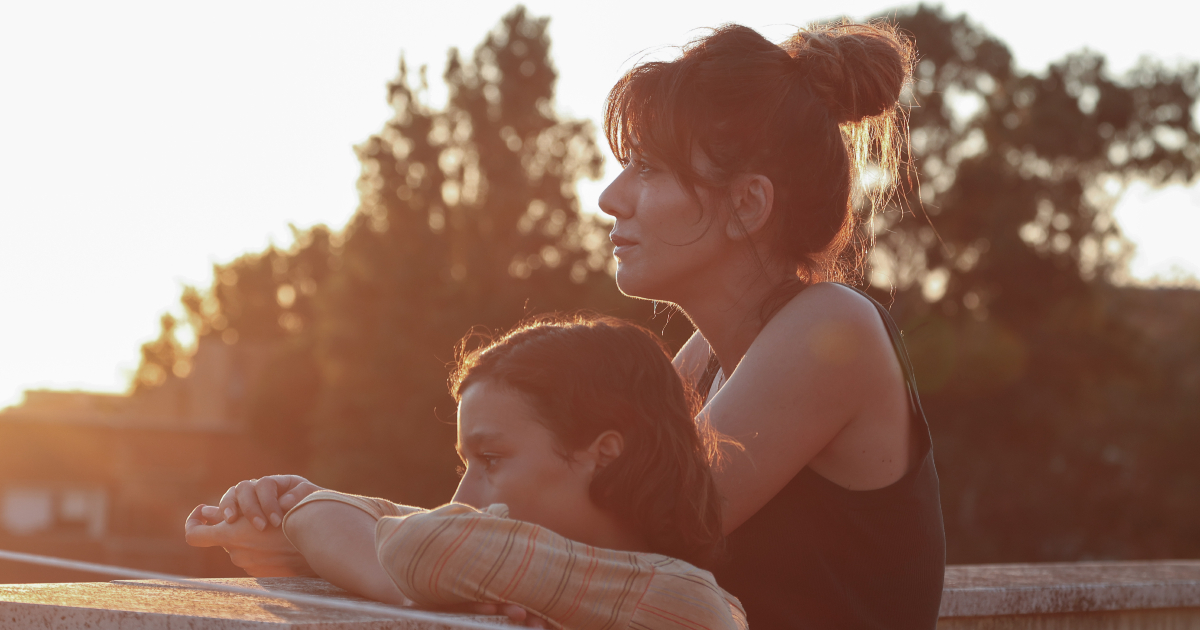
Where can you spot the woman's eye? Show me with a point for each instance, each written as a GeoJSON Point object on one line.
{"type": "Point", "coordinates": [489, 460]}
{"type": "Point", "coordinates": [639, 165]}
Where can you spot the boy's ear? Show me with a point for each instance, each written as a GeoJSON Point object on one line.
{"type": "Point", "coordinates": [752, 197]}
{"type": "Point", "coordinates": [606, 447]}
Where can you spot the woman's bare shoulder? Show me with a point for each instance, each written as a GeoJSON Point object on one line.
{"type": "Point", "coordinates": [829, 301]}
{"type": "Point", "coordinates": [833, 323]}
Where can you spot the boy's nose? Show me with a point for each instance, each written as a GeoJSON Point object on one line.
{"type": "Point", "coordinates": [467, 493]}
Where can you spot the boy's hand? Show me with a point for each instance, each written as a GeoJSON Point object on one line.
{"type": "Point", "coordinates": [260, 553]}
{"type": "Point", "coordinates": [515, 613]}
{"type": "Point", "coordinates": [264, 501]}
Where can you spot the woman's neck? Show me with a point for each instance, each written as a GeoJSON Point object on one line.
{"type": "Point", "coordinates": [728, 310]}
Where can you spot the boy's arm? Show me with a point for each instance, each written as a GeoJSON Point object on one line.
{"type": "Point", "coordinates": [336, 535]}
{"type": "Point", "coordinates": [456, 554]}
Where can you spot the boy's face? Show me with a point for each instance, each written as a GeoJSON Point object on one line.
{"type": "Point", "coordinates": [511, 458]}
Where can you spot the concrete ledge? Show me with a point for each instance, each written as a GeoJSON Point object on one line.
{"type": "Point", "coordinates": [1075, 596]}
{"type": "Point", "coordinates": [149, 605]}
{"type": "Point", "coordinates": [1025, 589]}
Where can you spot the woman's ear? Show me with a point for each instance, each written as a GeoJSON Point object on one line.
{"type": "Point", "coordinates": [606, 447]}
{"type": "Point", "coordinates": [752, 198]}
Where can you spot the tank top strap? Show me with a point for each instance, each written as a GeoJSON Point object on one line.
{"type": "Point", "coordinates": [897, 339]}
{"type": "Point", "coordinates": [709, 377]}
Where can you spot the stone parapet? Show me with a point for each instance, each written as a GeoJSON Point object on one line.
{"type": "Point", "coordinates": [1075, 596]}
{"type": "Point", "coordinates": [151, 605]}
{"type": "Point", "coordinates": [1079, 595]}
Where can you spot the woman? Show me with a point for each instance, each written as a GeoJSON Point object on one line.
{"type": "Point", "coordinates": [736, 204]}
{"type": "Point", "coordinates": [743, 159]}
{"type": "Point", "coordinates": [586, 478]}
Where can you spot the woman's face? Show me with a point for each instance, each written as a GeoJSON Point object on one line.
{"type": "Point", "coordinates": [511, 458]}
{"type": "Point", "coordinates": [665, 240]}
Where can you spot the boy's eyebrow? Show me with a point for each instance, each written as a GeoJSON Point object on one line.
{"type": "Point", "coordinates": [476, 440]}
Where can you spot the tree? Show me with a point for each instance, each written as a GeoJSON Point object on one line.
{"type": "Point", "coordinates": [162, 359]}
{"type": "Point", "coordinates": [1005, 293]}
{"type": "Point", "coordinates": [468, 218]}
{"type": "Point", "coordinates": [1063, 409]}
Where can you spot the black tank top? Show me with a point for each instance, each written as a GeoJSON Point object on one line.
{"type": "Point", "coordinates": [820, 556]}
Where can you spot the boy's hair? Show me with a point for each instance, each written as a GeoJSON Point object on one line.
{"type": "Point", "coordinates": [586, 374]}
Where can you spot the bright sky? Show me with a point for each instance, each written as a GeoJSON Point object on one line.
{"type": "Point", "coordinates": [141, 142]}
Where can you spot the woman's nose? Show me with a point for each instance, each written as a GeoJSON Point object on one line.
{"type": "Point", "coordinates": [613, 201]}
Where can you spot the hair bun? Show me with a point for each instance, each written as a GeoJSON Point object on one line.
{"type": "Point", "coordinates": [857, 69]}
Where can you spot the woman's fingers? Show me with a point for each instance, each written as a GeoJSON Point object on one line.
{"type": "Point", "coordinates": [247, 501]}
{"type": "Point", "coordinates": [267, 493]}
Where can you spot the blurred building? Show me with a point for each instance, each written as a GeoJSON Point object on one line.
{"type": "Point", "coordinates": [111, 478]}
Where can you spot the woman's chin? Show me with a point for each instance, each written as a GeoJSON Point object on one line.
{"type": "Point", "coordinates": [633, 285]}
{"type": "Point", "coordinates": [627, 281]}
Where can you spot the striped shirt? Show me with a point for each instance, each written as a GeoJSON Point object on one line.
{"type": "Point", "coordinates": [457, 554]}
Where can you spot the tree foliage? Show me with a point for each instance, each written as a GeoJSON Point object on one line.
{"type": "Point", "coordinates": [1024, 349]}
{"type": "Point", "coordinates": [468, 218]}
{"type": "Point", "coordinates": [162, 359]}
{"type": "Point", "coordinates": [1062, 407]}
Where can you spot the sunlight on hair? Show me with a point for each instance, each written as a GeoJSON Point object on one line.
{"type": "Point", "coordinates": [874, 178]}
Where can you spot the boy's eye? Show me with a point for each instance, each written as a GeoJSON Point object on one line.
{"type": "Point", "coordinates": [489, 459]}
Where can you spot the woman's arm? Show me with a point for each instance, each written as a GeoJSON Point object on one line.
{"type": "Point", "coordinates": [820, 386]}
{"type": "Point", "coordinates": [336, 535]}
{"type": "Point", "coordinates": [692, 359]}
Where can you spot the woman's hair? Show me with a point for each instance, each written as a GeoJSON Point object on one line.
{"type": "Point", "coordinates": [813, 114]}
{"type": "Point", "coordinates": [587, 374]}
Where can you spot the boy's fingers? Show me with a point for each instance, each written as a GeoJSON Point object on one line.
{"type": "Point", "coordinates": [268, 500]}
{"type": "Point", "coordinates": [196, 530]}
{"type": "Point", "coordinates": [514, 612]}
{"type": "Point", "coordinates": [197, 516]}
{"type": "Point", "coordinates": [229, 506]}
{"type": "Point", "coordinates": [247, 500]}
{"type": "Point", "coordinates": [292, 497]}
{"type": "Point", "coordinates": [287, 482]}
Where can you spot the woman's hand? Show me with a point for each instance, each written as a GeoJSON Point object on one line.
{"type": "Point", "coordinates": [265, 553]}
{"type": "Point", "coordinates": [266, 500]}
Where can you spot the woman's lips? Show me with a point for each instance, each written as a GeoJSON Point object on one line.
{"type": "Point", "coordinates": [623, 245]}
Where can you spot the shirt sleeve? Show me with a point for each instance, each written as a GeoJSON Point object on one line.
{"type": "Point", "coordinates": [377, 508]}
{"type": "Point", "coordinates": [457, 554]}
